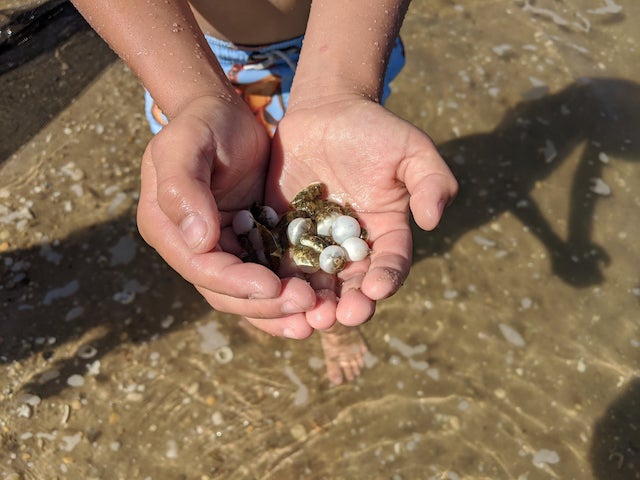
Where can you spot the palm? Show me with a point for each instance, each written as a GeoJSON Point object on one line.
{"type": "Point", "coordinates": [372, 160]}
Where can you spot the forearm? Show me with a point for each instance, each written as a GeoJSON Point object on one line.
{"type": "Point", "coordinates": [346, 48]}
{"type": "Point", "coordinates": [163, 45]}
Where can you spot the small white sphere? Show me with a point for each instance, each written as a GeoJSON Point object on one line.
{"type": "Point", "coordinates": [333, 259]}
{"type": "Point", "coordinates": [324, 224]}
{"type": "Point", "coordinates": [270, 216]}
{"type": "Point", "coordinates": [356, 248]}
{"type": "Point", "coordinates": [297, 227]}
{"type": "Point", "coordinates": [242, 222]}
{"type": "Point", "coordinates": [345, 227]}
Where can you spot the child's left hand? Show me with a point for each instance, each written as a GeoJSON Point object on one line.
{"type": "Point", "coordinates": [379, 164]}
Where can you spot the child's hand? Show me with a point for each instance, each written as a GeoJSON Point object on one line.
{"type": "Point", "coordinates": [381, 166]}
{"type": "Point", "coordinates": [207, 163]}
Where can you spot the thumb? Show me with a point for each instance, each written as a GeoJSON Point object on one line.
{"type": "Point", "coordinates": [431, 186]}
{"type": "Point", "coordinates": [182, 159]}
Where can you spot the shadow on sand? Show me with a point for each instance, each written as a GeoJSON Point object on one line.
{"type": "Point", "coordinates": [498, 170]}
{"type": "Point", "coordinates": [615, 449]}
{"type": "Point", "coordinates": [50, 38]}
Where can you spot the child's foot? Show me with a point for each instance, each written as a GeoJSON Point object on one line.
{"type": "Point", "coordinates": [344, 349]}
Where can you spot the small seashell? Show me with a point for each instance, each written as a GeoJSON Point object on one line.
{"type": "Point", "coordinates": [223, 354]}
{"type": "Point", "coordinates": [344, 227]}
{"type": "Point", "coordinates": [305, 258]}
{"type": "Point", "coordinates": [297, 227]}
{"type": "Point", "coordinates": [316, 242]}
{"type": "Point", "coordinates": [243, 222]}
{"type": "Point", "coordinates": [268, 216]}
{"type": "Point", "coordinates": [87, 351]}
{"type": "Point", "coordinates": [324, 223]}
{"type": "Point", "coordinates": [356, 248]}
{"type": "Point", "coordinates": [307, 195]}
{"type": "Point", "coordinates": [333, 259]}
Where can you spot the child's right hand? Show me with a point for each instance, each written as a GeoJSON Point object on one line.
{"type": "Point", "coordinates": [207, 163]}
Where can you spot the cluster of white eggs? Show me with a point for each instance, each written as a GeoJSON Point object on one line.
{"type": "Point", "coordinates": [336, 239]}
{"type": "Point", "coordinates": [328, 243]}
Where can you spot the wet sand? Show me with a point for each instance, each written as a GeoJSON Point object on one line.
{"type": "Point", "coordinates": [510, 353]}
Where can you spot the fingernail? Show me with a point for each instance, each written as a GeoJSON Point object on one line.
{"type": "Point", "coordinates": [194, 230]}
{"type": "Point", "coordinates": [289, 307]}
{"type": "Point", "coordinates": [441, 206]}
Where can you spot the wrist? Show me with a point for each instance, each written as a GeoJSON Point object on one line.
{"type": "Point", "coordinates": [346, 49]}
{"type": "Point", "coordinates": [313, 88]}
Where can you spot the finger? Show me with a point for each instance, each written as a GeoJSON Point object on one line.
{"type": "Point", "coordinates": [354, 308]}
{"type": "Point", "coordinates": [390, 263]}
{"type": "Point", "coordinates": [296, 296]}
{"type": "Point", "coordinates": [430, 197]}
{"type": "Point", "coordinates": [182, 157]}
{"type": "Point", "coordinates": [431, 186]}
{"type": "Point", "coordinates": [215, 271]}
{"type": "Point", "coordinates": [323, 314]}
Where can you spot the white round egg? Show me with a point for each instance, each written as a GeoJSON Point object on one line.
{"type": "Point", "coordinates": [345, 227]}
{"type": "Point", "coordinates": [243, 222]}
{"type": "Point", "coordinates": [324, 224]}
{"type": "Point", "coordinates": [333, 259]}
{"type": "Point", "coordinates": [270, 215]}
{"type": "Point", "coordinates": [297, 227]}
{"type": "Point", "coordinates": [357, 249]}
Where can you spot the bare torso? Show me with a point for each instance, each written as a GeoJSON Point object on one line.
{"type": "Point", "coordinates": [252, 22]}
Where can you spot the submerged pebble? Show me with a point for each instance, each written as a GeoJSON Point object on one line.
{"type": "Point", "coordinates": [511, 335]}
{"type": "Point", "coordinates": [544, 456]}
{"type": "Point", "coordinates": [75, 381]}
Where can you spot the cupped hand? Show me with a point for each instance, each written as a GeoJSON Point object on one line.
{"type": "Point", "coordinates": [206, 164]}
{"type": "Point", "coordinates": [379, 164]}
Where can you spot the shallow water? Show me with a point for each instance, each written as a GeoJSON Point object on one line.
{"type": "Point", "coordinates": [510, 353]}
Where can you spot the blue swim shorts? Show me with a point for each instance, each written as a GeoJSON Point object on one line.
{"type": "Point", "coordinates": [263, 77]}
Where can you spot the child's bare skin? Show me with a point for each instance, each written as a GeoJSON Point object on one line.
{"type": "Point", "coordinates": [252, 22]}
{"type": "Point", "coordinates": [214, 158]}
{"type": "Point", "coordinates": [344, 350]}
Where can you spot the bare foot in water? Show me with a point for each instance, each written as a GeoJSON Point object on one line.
{"type": "Point", "coordinates": [344, 349]}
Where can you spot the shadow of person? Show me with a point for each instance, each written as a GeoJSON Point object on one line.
{"type": "Point", "coordinates": [615, 448]}
{"type": "Point", "coordinates": [70, 303]}
{"type": "Point", "coordinates": [47, 56]}
{"type": "Point", "coordinates": [498, 170]}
